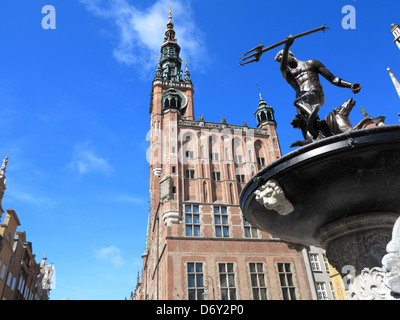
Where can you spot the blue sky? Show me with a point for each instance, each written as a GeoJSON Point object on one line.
{"type": "Point", "coordinates": [74, 105]}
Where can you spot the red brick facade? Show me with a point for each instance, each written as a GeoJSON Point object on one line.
{"type": "Point", "coordinates": [198, 245]}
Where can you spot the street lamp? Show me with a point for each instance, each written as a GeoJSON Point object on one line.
{"type": "Point", "coordinates": [206, 287]}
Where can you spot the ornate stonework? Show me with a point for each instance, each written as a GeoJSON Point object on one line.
{"type": "Point", "coordinates": [272, 197]}
{"type": "Point", "coordinates": [362, 246]}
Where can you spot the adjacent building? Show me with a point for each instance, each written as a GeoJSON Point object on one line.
{"type": "Point", "coordinates": [396, 33]}
{"type": "Point", "coordinates": [198, 244]}
{"type": "Point", "coordinates": [21, 278]}
{"type": "Point", "coordinates": [325, 282]}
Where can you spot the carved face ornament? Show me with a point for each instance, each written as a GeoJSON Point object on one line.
{"type": "Point", "coordinates": [272, 197]}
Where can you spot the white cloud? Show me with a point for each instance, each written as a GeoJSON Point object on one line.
{"type": "Point", "coordinates": [110, 254]}
{"type": "Point", "coordinates": [84, 160]}
{"type": "Point", "coordinates": [141, 31]}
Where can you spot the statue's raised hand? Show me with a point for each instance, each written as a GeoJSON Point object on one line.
{"type": "Point", "coordinates": [356, 87]}
{"type": "Point", "coordinates": [289, 40]}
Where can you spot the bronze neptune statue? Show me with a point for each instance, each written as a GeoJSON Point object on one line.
{"type": "Point", "coordinates": [303, 76]}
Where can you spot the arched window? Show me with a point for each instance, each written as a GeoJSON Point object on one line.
{"type": "Point", "coordinates": [263, 117]}
{"type": "Point", "coordinates": [173, 103]}
{"type": "Point", "coordinates": [166, 103]}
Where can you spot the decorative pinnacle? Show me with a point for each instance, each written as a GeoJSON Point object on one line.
{"type": "Point", "coordinates": [170, 33]}
{"type": "Point", "coordinates": [259, 92]}
{"type": "Point", "coordinates": [3, 169]}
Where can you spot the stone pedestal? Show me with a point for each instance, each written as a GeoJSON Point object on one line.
{"type": "Point", "coordinates": [358, 241]}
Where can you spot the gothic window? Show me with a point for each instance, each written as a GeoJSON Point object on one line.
{"type": "Point", "coordinates": [173, 103]}
{"type": "Point", "coordinates": [237, 150]}
{"type": "Point", "coordinates": [260, 153]}
{"type": "Point", "coordinates": [205, 193]}
{"type": "Point", "coordinates": [166, 103]}
{"type": "Point", "coordinates": [231, 194]}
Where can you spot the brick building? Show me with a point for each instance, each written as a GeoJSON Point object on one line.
{"type": "Point", "coordinates": [198, 245]}
{"type": "Point", "coordinates": [21, 278]}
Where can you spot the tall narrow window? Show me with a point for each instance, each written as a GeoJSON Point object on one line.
{"type": "Point", "coordinates": [258, 285]}
{"type": "Point", "coordinates": [240, 178]}
{"type": "Point", "coordinates": [314, 261]}
{"type": "Point", "coordinates": [321, 291]}
{"type": "Point", "coordinates": [261, 161]}
{"type": "Point", "coordinates": [195, 280]}
{"type": "Point", "coordinates": [221, 222]}
{"type": "Point", "coordinates": [192, 220]}
{"type": "Point", "coordinates": [325, 263]}
{"type": "Point", "coordinates": [3, 271]}
{"type": "Point", "coordinates": [286, 280]}
{"type": "Point", "coordinates": [9, 279]}
{"type": "Point", "coordinates": [249, 230]}
{"type": "Point", "coordinates": [227, 281]}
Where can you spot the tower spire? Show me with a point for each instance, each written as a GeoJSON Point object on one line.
{"type": "Point", "coordinates": [170, 33]}
{"type": "Point", "coordinates": [264, 113]}
{"type": "Point", "coordinates": [170, 63]}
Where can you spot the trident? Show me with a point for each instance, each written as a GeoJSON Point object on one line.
{"type": "Point", "coordinates": [260, 48]}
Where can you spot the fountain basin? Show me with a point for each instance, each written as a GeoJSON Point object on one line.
{"type": "Point", "coordinates": [340, 177]}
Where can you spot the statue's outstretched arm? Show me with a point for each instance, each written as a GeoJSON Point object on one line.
{"type": "Point", "coordinates": [336, 80]}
